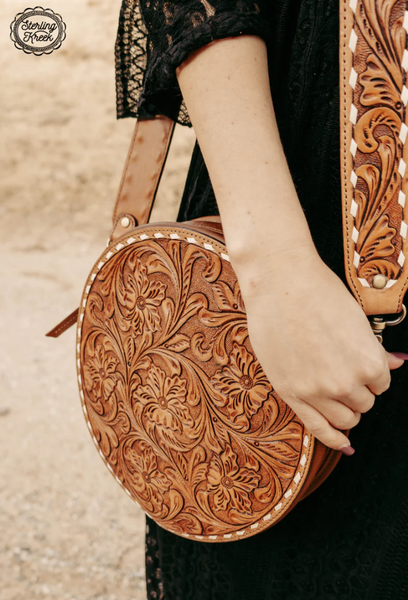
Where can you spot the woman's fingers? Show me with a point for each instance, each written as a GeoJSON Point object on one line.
{"type": "Point", "coordinates": [317, 424]}
{"type": "Point", "coordinates": [337, 414]}
{"type": "Point", "coordinates": [326, 417]}
{"type": "Point", "coordinates": [379, 383]}
{"type": "Point", "coordinates": [359, 401]}
{"type": "Point", "coordinates": [357, 398]}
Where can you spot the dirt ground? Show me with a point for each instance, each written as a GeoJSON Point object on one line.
{"type": "Point", "coordinates": [67, 530]}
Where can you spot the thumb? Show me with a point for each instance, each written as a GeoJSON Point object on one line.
{"type": "Point", "coordinates": [396, 359]}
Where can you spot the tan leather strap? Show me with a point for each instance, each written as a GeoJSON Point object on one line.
{"type": "Point", "coordinates": [64, 325]}
{"type": "Point", "coordinates": [374, 152]}
{"type": "Point", "coordinates": [142, 172]}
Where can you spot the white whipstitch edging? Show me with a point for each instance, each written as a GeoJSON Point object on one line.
{"type": "Point", "coordinates": [287, 496]}
{"type": "Point", "coordinates": [353, 148]}
{"type": "Point", "coordinates": [402, 166]}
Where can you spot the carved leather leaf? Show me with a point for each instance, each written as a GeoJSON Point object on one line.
{"type": "Point", "coordinates": [178, 343]}
{"type": "Point", "coordinates": [224, 296]}
{"type": "Point", "coordinates": [199, 474]}
{"type": "Point", "coordinates": [383, 267]}
{"type": "Point", "coordinates": [201, 352]}
{"type": "Point", "coordinates": [376, 241]}
{"type": "Point", "coordinates": [398, 34]}
{"type": "Point", "coordinates": [213, 319]}
{"type": "Point", "coordinates": [284, 451]}
{"type": "Point", "coordinates": [104, 433]}
{"type": "Point", "coordinates": [378, 84]}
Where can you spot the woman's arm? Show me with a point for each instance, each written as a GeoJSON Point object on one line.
{"type": "Point", "coordinates": [307, 330]}
{"type": "Point", "coordinates": [226, 89]}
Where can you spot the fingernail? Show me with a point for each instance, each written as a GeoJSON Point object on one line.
{"type": "Point", "coordinates": [347, 450]}
{"type": "Point", "coordinates": [400, 355]}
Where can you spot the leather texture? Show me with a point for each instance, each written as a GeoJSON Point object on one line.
{"type": "Point", "coordinates": [176, 401]}
{"type": "Point", "coordinates": [373, 93]}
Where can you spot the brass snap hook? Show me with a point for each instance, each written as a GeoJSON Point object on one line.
{"type": "Point", "coordinates": [378, 324]}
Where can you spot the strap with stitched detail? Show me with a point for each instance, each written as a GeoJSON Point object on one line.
{"type": "Point", "coordinates": [142, 172]}
{"type": "Point", "coordinates": [374, 152]}
{"type": "Point", "coordinates": [64, 325]}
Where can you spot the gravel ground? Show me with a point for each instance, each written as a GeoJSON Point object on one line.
{"type": "Point", "coordinates": [67, 530]}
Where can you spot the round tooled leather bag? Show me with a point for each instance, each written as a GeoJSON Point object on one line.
{"type": "Point", "coordinates": [175, 399]}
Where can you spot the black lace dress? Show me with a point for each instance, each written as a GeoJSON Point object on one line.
{"type": "Point", "coordinates": [349, 539]}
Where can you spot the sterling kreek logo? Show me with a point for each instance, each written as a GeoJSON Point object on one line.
{"type": "Point", "coordinates": [38, 31]}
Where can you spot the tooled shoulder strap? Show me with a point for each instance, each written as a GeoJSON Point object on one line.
{"type": "Point", "coordinates": [374, 152]}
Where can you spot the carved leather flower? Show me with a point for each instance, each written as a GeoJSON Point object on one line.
{"type": "Point", "coordinates": [229, 483]}
{"type": "Point", "coordinates": [99, 374]}
{"type": "Point", "coordinates": [242, 384]}
{"type": "Point", "coordinates": [148, 481]}
{"type": "Point", "coordinates": [164, 400]}
{"type": "Point", "coordinates": [142, 297]}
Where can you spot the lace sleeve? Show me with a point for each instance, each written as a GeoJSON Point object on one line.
{"type": "Point", "coordinates": [155, 36]}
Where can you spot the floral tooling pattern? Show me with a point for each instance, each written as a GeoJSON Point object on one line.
{"type": "Point", "coordinates": [176, 399]}
{"type": "Point", "coordinates": [229, 483]}
{"type": "Point", "coordinates": [380, 157]}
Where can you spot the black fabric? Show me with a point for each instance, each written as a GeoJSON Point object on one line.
{"type": "Point", "coordinates": [155, 36]}
{"type": "Point", "coordinates": [349, 539]}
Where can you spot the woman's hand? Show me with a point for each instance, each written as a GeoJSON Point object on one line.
{"type": "Point", "coordinates": [315, 344]}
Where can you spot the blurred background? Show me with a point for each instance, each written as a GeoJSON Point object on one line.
{"type": "Point", "coordinates": [67, 530]}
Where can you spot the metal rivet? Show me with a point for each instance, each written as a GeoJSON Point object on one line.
{"type": "Point", "coordinates": [125, 222]}
{"type": "Point", "coordinates": [379, 281]}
